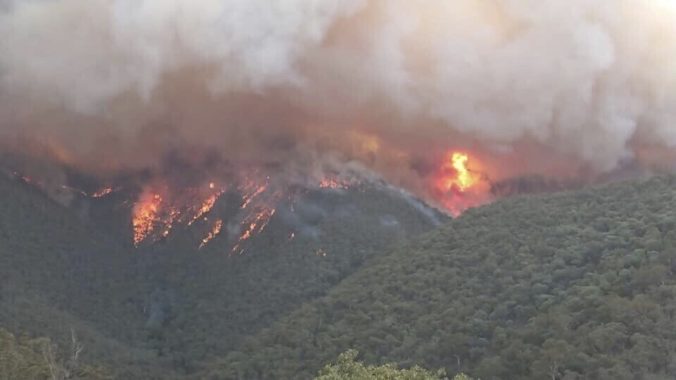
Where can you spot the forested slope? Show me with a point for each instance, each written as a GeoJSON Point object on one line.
{"type": "Point", "coordinates": [58, 275]}
{"type": "Point", "coordinates": [214, 298]}
{"type": "Point", "coordinates": [575, 285]}
{"type": "Point", "coordinates": [164, 309]}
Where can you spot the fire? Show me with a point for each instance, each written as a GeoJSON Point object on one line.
{"type": "Point", "coordinates": [456, 185]}
{"type": "Point", "coordinates": [332, 183]}
{"type": "Point", "coordinates": [205, 207]}
{"type": "Point", "coordinates": [464, 178]}
{"type": "Point", "coordinates": [248, 198]}
{"type": "Point", "coordinates": [456, 174]}
{"type": "Point", "coordinates": [102, 192]}
{"type": "Point", "coordinates": [254, 224]}
{"type": "Point", "coordinates": [145, 215]}
{"type": "Point", "coordinates": [215, 230]}
{"type": "Point", "coordinates": [154, 216]}
{"type": "Point", "coordinates": [168, 221]}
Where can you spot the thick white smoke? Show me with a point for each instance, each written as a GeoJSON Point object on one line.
{"type": "Point", "coordinates": [592, 81]}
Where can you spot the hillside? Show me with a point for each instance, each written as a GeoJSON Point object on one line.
{"type": "Point", "coordinates": [565, 286]}
{"type": "Point", "coordinates": [164, 309]}
{"type": "Point", "coordinates": [59, 273]}
{"type": "Point", "coordinates": [208, 300]}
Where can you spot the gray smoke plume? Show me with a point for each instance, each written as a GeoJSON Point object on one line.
{"type": "Point", "coordinates": [527, 86]}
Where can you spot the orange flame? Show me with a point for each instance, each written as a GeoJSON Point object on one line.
{"type": "Point", "coordinates": [206, 206]}
{"type": "Point", "coordinates": [248, 198]}
{"type": "Point", "coordinates": [145, 215]}
{"type": "Point", "coordinates": [215, 230]}
{"type": "Point", "coordinates": [460, 178]}
{"type": "Point", "coordinates": [254, 225]}
{"type": "Point", "coordinates": [456, 186]}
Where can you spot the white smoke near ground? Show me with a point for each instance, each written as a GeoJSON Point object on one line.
{"type": "Point", "coordinates": [528, 85]}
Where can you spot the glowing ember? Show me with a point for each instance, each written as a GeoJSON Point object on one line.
{"type": "Point", "coordinates": [145, 215]}
{"type": "Point", "coordinates": [215, 230]}
{"type": "Point", "coordinates": [102, 193]}
{"type": "Point", "coordinates": [168, 221]}
{"type": "Point", "coordinates": [248, 198]}
{"type": "Point", "coordinates": [332, 183]}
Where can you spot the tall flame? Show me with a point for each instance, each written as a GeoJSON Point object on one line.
{"type": "Point", "coordinates": [464, 178]}
{"type": "Point", "coordinates": [456, 186]}
{"type": "Point", "coordinates": [145, 215]}
{"type": "Point", "coordinates": [455, 174]}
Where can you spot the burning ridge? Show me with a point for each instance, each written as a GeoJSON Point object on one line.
{"type": "Point", "coordinates": [183, 195]}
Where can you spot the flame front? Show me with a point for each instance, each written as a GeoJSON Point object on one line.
{"type": "Point", "coordinates": [205, 207]}
{"type": "Point", "coordinates": [154, 216]}
{"type": "Point", "coordinates": [145, 215]}
{"type": "Point", "coordinates": [254, 224]}
{"type": "Point", "coordinates": [215, 230]}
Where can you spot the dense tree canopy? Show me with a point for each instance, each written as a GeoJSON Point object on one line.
{"type": "Point", "coordinates": [347, 367]}
{"type": "Point", "coordinates": [566, 286]}
{"type": "Point", "coordinates": [40, 359]}
{"type": "Point", "coordinates": [573, 285]}
{"type": "Point", "coordinates": [165, 309]}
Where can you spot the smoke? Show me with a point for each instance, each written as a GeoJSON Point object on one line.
{"type": "Point", "coordinates": [576, 87]}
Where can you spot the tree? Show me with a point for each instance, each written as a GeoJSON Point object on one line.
{"type": "Point", "coordinates": [346, 367]}
{"type": "Point", "coordinates": [39, 358]}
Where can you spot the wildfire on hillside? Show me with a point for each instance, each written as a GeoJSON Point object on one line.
{"type": "Point", "coordinates": [215, 230]}
{"type": "Point", "coordinates": [145, 215]}
{"type": "Point", "coordinates": [163, 204]}
{"type": "Point", "coordinates": [458, 183]}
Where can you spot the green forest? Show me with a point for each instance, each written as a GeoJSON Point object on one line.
{"type": "Point", "coordinates": [569, 285]}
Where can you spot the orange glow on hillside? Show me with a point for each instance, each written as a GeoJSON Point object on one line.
{"type": "Point", "coordinates": [215, 230]}
{"type": "Point", "coordinates": [205, 207]}
{"type": "Point", "coordinates": [145, 215]}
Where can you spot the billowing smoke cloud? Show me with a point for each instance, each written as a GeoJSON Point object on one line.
{"type": "Point", "coordinates": [527, 86]}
